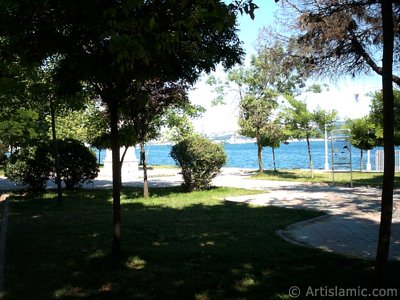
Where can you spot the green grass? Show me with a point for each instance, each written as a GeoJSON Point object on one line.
{"type": "Point", "coordinates": [175, 246]}
{"type": "Point", "coordinates": [341, 178]}
{"type": "Point", "coordinates": [1, 171]}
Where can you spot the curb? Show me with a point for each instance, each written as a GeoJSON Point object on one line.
{"type": "Point", "coordinates": [287, 234]}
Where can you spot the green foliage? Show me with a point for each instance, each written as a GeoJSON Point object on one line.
{"type": "Point", "coordinates": [200, 159]}
{"type": "Point", "coordinates": [110, 45]}
{"type": "Point", "coordinates": [247, 7]}
{"type": "Point", "coordinates": [363, 133]}
{"type": "Point", "coordinates": [272, 70]}
{"type": "Point", "coordinates": [255, 116]}
{"type": "Point", "coordinates": [71, 125]}
{"type": "Point", "coordinates": [18, 127]}
{"type": "Point", "coordinates": [33, 165]}
{"type": "Point", "coordinates": [78, 164]}
{"type": "Point", "coordinates": [376, 114]}
{"type": "Point", "coordinates": [303, 123]}
{"type": "Point", "coordinates": [178, 122]}
{"type": "Point", "coordinates": [278, 69]}
{"type": "Point", "coordinates": [3, 156]}
{"type": "Point", "coordinates": [340, 38]}
{"type": "Point", "coordinates": [299, 119]}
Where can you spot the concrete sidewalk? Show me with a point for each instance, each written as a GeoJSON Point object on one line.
{"type": "Point", "coordinates": [350, 227]}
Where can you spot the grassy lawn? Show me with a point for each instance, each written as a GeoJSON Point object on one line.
{"type": "Point", "coordinates": [359, 178]}
{"type": "Point", "coordinates": [1, 171]}
{"type": "Point", "coordinates": [176, 246]}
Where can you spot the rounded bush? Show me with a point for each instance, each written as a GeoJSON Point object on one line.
{"type": "Point", "coordinates": [30, 166]}
{"type": "Point", "coordinates": [78, 163]}
{"type": "Point", "coordinates": [34, 165]}
{"type": "Point", "coordinates": [200, 160]}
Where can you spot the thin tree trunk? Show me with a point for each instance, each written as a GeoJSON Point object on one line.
{"type": "Point", "coordinates": [116, 170]}
{"type": "Point", "coordinates": [361, 159]}
{"type": "Point", "coordinates": [121, 162]}
{"type": "Point", "coordinates": [55, 152]}
{"type": "Point", "coordinates": [259, 156]}
{"type": "Point", "coordinates": [309, 156]}
{"type": "Point", "coordinates": [273, 158]}
{"type": "Point", "coordinates": [146, 193]}
{"type": "Point", "coordinates": [382, 253]}
{"type": "Point", "coordinates": [123, 156]}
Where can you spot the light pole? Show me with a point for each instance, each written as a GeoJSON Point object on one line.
{"type": "Point", "coordinates": [326, 150]}
{"type": "Point", "coordinates": [369, 161]}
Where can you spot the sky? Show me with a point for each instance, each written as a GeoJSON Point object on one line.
{"type": "Point", "coordinates": [347, 96]}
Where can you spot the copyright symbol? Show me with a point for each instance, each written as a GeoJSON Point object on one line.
{"type": "Point", "coordinates": [294, 292]}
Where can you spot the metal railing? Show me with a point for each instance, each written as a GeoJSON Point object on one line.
{"type": "Point", "coordinates": [379, 160]}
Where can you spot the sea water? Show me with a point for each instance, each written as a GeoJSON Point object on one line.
{"type": "Point", "coordinates": [293, 155]}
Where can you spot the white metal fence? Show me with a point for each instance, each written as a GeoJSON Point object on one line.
{"type": "Point", "coordinates": [379, 160]}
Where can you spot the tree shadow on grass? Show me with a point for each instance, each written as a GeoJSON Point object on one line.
{"type": "Point", "coordinates": [218, 250]}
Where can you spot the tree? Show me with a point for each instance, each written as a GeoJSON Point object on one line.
{"type": "Point", "coordinates": [147, 105]}
{"type": "Point", "coordinates": [255, 120]}
{"type": "Point", "coordinates": [20, 121]}
{"type": "Point", "coordinates": [111, 44]}
{"type": "Point", "coordinates": [350, 48]}
{"type": "Point", "coordinates": [368, 31]}
{"type": "Point", "coordinates": [362, 135]}
{"type": "Point", "coordinates": [18, 127]}
{"type": "Point", "coordinates": [382, 253]}
{"type": "Point", "coordinates": [270, 74]}
{"type": "Point", "coordinates": [304, 124]}
{"type": "Point", "coordinates": [178, 123]}
{"type": "Point", "coordinates": [376, 113]}
{"type": "Point", "coordinates": [273, 138]}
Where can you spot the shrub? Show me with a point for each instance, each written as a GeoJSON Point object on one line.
{"type": "Point", "coordinates": [3, 153]}
{"type": "Point", "coordinates": [30, 166]}
{"type": "Point", "coordinates": [78, 163]}
{"type": "Point", "coordinates": [34, 165]}
{"type": "Point", "coordinates": [200, 160]}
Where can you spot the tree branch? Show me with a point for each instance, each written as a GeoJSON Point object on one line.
{"type": "Point", "coordinates": [361, 51]}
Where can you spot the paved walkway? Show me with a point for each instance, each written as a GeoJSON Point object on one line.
{"type": "Point", "coordinates": [350, 226]}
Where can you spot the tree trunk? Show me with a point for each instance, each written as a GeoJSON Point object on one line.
{"type": "Point", "coordinates": [146, 193]}
{"type": "Point", "coordinates": [121, 162]}
{"type": "Point", "coordinates": [309, 156]}
{"type": "Point", "coordinates": [123, 156]}
{"type": "Point", "coordinates": [259, 156]}
{"type": "Point", "coordinates": [55, 152]}
{"type": "Point", "coordinates": [382, 253]}
{"type": "Point", "coordinates": [273, 158]}
{"type": "Point", "coordinates": [361, 159]}
{"type": "Point", "coordinates": [116, 170]}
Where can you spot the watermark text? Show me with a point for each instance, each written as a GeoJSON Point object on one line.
{"type": "Point", "coordinates": [335, 292]}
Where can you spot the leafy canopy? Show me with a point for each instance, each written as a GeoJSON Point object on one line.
{"type": "Point", "coordinates": [376, 113]}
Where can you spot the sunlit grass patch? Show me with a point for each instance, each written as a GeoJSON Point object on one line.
{"type": "Point", "coordinates": [135, 263]}
{"type": "Point", "coordinates": [340, 178]}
